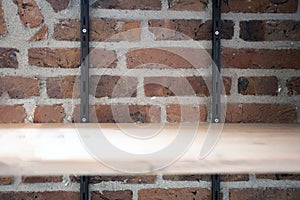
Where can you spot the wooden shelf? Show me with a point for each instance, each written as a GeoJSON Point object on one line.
{"type": "Point", "coordinates": [35, 149]}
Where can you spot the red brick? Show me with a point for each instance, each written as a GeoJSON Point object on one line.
{"type": "Point", "coordinates": [261, 58]}
{"type": "Point", "coordinates": [6, 180]}
{"type": "Point", "coordinates": [19, 87]}
{"type": "Point", "coordinates": [12, 114]}
{"type": "Point", "coordinates": [278, 176]}
{"type": "Point", "coordinates": [121, 114]}
{"type": "Point", "coordinates": [8, 58]}
{"type": "Point", "coordinates": [41, 179]}
{"type": "Point", "coordinates": [173, 86]}
{"type": "Point", "coordinates": [262, 6]}
{"type": "Point", "coordinates": [112, 195]}
{"type": "Point", "coordinates": [258, 85]}
{"type": "Point", "coordinates": [168, 58]}
{"type": "Point", "coordinates": [41, 34]}
{"type": "Point", "coordinates": [63, 87]}
{"type": "Point", "coordinates": [293, 86]}
{"type": "Point", "coordinates": [282, 30]}
{"type": "Point", "coordinates": [128, 5]}
{"type": "Point", "coordinates": [138, 179]}
{"type": "Point", "coordinates": [3, 27]}
{"type": "Point", "coordinates": [47, 57]}
{"type": "Point", "coordinates": [59, 5]}
{"type": "Point", "coordinates": [190, 5]}
{"type": "Point", "coordinates": [174, 194]}
{"type": "Point", "coordinates": [49, 114]}
{"type": "Point", "coordinates": [186, 113]}
{"type": "Point", "coordinates": [187, 177]}
{"type": "Point", "coordinates": [102, 58]}
{"type": "Point", "coordinates": [264, 194]}
{"type": "Point", "coordinates": [40, 195]}
{"type": "Point", "coordinates": [29, 13]}
{"type": "Point", "coordinates": [100, 30]}
{"type": "Point", "coordinates": [113, 86]}
{"type": "Point", "coordinates": [234, 177]}
{"type": "Point", "coordinates": [179, 29]}
{"type": "Point", "coordinates": [261, 113]}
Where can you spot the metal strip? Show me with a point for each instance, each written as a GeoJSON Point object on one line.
{"type": "Point", "coordinates": [84, 82]}
{"type": "Point", "coordinates": [216, 82]}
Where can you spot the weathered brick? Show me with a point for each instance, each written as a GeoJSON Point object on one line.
{"type": "Point", "coordinates": [186, 113]}
{"type": "Point", "coordinates": [47, 57]}
{"type": "Point", "coordinates": [261, 113]}
{"type": "Point", "coordinates": [278, 176]}
{"type": "Point", "coordinates": [41, 179]}
{"type": "Point", "coordinates": [262, 6]}
{"type": "Point", "coordinates": [63, 87]}
{"type": "Point", "coordinates": [12, 114]}
{"type": "Point", "coordinates": [264, 194]}
{"type": "Point", "coordinates": [138, 179]}
{"type": "Point", "coordinates": [29, 13]}
{"type": "Point", "coordinates": [40, 195]}
{"type": "Point", "coordinates": [102, 58]}
{"type": "Point", "coordinates": [187, 177]}
{"type": "Point", "coordinates": [100, 30]}
{"type": "Point", "coordinates": [261, 58]}
{"type": "Point", "coordinates": [6, 180]}
{"type": "Point", "coordinates": [19, 87]}
{"type": "Point", "coordinates": [190, 5]}
{"type": "Point", "coordinates": [113, 86]}
{"type": "Point", "coordinates": [174, 86]}
{"type": "Point", "coordinates": [122, 114]}
{"type": "Point", "coordinates": [128, 5]}
{"type": "Point", "coordinates": [59, 5]}
{"type": "Point", "coordinates": [49, 114]}
{"type": "Point", "coordinates": [168, 58]}
{"type": "Point", "coordinates": [8, 58]}
{"type": "Point", "coordinates": [112, 195]}
{"type": "Point", "coordinates": [234, 177]}
{"type": "Point", "coordinates": [179, 29]}
{"type": "Point", "coordinates": [293, 86]}
{"type": "Point", "coordinates": [3, 27]}
{"type": "Point", "coordinates": [174, 194]}
{"type": "Point", "coordinates": [41, 34]}
{"type": "Point", "coordinates": [272, 30]}
{"type": "Point", "coordinates": [258, 85]}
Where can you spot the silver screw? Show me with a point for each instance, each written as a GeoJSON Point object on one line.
{"type": "Point", "coordinates": [217, 32]}
{"type": "Point", "coordinates": [83, 119]}
{"type": "Point", "coordinates": [216, 120]}
{"type": "Point", "coordinates": [84, 30]}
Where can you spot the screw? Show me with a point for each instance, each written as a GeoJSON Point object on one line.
{"type": "Point", "coordinates": [217, 32]}
{"type": "Point", "coordinates": [84, 30]}
{"type": "Point", "coordinates": [83, 119]}
{"type": "Point", "coordinates": [217, 120]}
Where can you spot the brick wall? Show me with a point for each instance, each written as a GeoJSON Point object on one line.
{"type": "Point", "coordinates": [153, 57]}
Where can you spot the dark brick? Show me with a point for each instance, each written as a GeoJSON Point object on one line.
{"type": "Point", "coordinates": [59, 5]}
{"type": "Point", "coordinates": [100, 30]}
{"type": "Point", "coordinates": [264, 194]}
{"type": "Point", "coordinates": [128, 5]}
{"type": "Point", "coordinates": [49, 114]}
{"type": "Point", "coordinates": [6, 180]}
{"type": "Point", "coordinates": [3, 27]}
{"type": "Point", "coordinates": [63, 87]}
{"type": "Point", "coordinates": [186, 113]}
{"type": "Point", "coordinates": [8, 58]}
{"type": "Point", "coordinates": [187, 177]}
{"type": "Point", "coordinates": [282, 30]}
{"type": "Point", "coordinates": [180, 29]}
{"type": "Point", "coordinates": [112, 195]}
{"type": "Point", "coordinates": [12, 114]}
{"type": "Point", "coordinates": [261, 113]}
{"type": "Point", "coordinates": [261, 58]}
{"type": "Point", "coordinates": [278, 176]}
{"type": "Point", "coordinates": [174, 194]}
{"type": "Point", "coordinates": [190, 5]}
{"type": "Point", "coordinates": [138, 179]}
{"type": "Point", "coordinates": [258, 85]}
{"type": "Point", "coordinates": [41, 179]}
{"type": "Point", "coordinates": [40, 195]}
{"type": "Point", "coordinates": [262, 6]}
{"type": "Point", "coordinates": [234, 177]}
{"type": "Point", "coordinates": [293, 86]}
{"type": "Point", "coordinates": [19, 87]}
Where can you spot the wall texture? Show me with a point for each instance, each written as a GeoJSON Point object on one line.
{"type": "Point", "coordinates": [151, 57]}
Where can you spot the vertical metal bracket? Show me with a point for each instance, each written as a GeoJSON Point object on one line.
{"type": "Point", "coordinates": [84, 82]}
{"type": "Point", "coordinates": [216, 82]}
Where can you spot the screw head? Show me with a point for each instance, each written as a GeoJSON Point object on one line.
{"type": "Point", "coordinates": [84, 30]}
{"type": "Point", "coordinates": [217, 32]}
{"type": "Point", "coordinates": [217, 120]}
{"type": "Point", "coordinates": [83, 119]}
